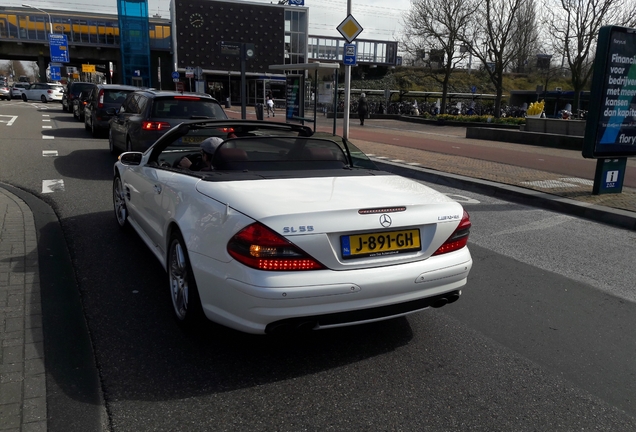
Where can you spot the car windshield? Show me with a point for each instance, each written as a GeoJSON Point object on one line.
{"type": "Point", "coordinates": [186, 107]}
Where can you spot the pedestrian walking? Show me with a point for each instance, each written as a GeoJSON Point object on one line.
{"type": "Point", "coordinates": [363, 108]}
{"type": "Point", "coordinates": [270, 106]}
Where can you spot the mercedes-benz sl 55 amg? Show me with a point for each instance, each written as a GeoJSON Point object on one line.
{"type": "Point", "coordinates": [288, 229]}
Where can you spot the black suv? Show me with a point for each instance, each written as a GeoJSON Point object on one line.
{"type": "Point", "coordinates": [102, 97]}
{"type": "Point", "coordinates": [145, 115]}
{"type": "Point", "coordinates": [72, 91]}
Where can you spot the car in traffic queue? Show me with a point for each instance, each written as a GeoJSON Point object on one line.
{"type": "Point", "coordinates": [43, 92]}
{"type": "Point", "coordinates": [72, 90]}
{"type": "Point", "coordinates": [289, 230]}
{"type": "Point", "coordinates": [79, 103]}
{"type": "Point", "coordinates": [147, 114]}
{"type": "Point", "coordinates": [17, 88]}
{"type": "Point", "coordinates": [5, 92]}
{"type": "Point", "coordinates": [101, 98]}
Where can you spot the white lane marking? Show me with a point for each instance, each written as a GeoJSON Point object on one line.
{"type": "Point", "coordinates": [538, 225]}
{"type": "Point", "coordinates": [9, 122]}
{"type": "Point", "coordinates": [397, 160]}
{"type": "Point", "coordinates": [50, 186]}
{"type": "Point", "coordinates": [47, 127]}
{"type": "Point", "coordinates": [46, 120]}
{"type": "Point", "coordinates": [46, 115]}
{"type": "Point", "coordinates": [462, 198]}
{"type": "Point", "coordinates": [47, 137]}
{"type": "Point", "coordinates": [49, 153]}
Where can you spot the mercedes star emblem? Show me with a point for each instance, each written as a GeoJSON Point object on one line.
{"type": "Point", "coordinates": [385, 220]}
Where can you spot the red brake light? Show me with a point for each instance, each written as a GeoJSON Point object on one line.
{"type": "Point", "coordinates": [49, 91]}
{"type": "Point", "coordinates": [155, 126]}
{"type": "Point", "coordinates": [261, 248]}
{"type": "Point", "coordinates": [458, 239]}
{"type": "Point", "coordinates": [100, 99]}
{"type": "Point", "coordinates": [227, 129]}
{"type": "Point", "coordinates": [187, 97]}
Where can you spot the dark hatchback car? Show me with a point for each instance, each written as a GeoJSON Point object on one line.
{"type": "Point", "coordinates": [101, 98]}
{"type": "Point", "coordinates": [146, 115]}
{"type": "Point", "coordinates": [80, 102]}
{"type": "Point", "coordinates": [72, 91]}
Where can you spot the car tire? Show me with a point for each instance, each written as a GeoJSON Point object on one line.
{"type": "Point", "coordinates": [186, 303]}
{"type": "Point", "coordinates": [111, 143]}
{"type": "Point", "coordinates": [43, 99]}
{"type": "Point", "coordinates": [24, 98]}
{"type": "Point", "coordinates": [119, 202]}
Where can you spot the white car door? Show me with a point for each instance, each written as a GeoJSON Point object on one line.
{"type": "Point", "coordinates": [146, 189]}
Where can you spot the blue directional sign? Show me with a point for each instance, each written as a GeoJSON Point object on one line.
{"type": "Point", "coordinates": [175, 75]}
{"type": "Point", "coordinates": [349, 57]}
{"type": "Point", "coordinates": [56, 75]}
{"type": "Point", "coordinates": [58, 44]}
{"type": "Point", "coordinates": [297, 2]}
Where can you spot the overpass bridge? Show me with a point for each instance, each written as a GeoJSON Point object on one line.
{"type": "Point", "coordinates": [92, 38]}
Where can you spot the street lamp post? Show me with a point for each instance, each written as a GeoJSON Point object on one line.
{"type": "Point", "coordinates": [43, 11]}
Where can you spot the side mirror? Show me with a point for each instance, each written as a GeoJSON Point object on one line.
{"type": "Point", "coordinates": [130, 158]}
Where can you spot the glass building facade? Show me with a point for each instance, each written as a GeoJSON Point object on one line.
{"type": "Point", "coordinates": [134, 42]}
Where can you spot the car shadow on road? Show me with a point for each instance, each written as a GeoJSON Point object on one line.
{"type": "Point", "coordinates": [86, 165]}
{"type": "Point", "coordinates": [138, 344]}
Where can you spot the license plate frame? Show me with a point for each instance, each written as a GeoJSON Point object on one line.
{"type": "Point", "coordinates": [354, 246]}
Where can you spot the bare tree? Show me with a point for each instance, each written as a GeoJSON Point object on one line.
{"type": "Point", "coordinates": [436, 27]}
{"type": "Point", "coordinates": [574, 26]}
{"type": "Point", "coordinates": [525, 37]}
{"type": "Point", "coordinates": [490, 40]}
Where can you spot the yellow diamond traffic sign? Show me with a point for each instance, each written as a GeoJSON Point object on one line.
{"type": "Point", "coordinates": [349, 28]}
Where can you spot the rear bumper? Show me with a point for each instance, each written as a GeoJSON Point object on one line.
{"type": "Point", "coordinates": [325, 298]}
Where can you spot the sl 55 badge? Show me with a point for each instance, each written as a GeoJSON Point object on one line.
{"type": "Point", "coordinates": [298, 229]}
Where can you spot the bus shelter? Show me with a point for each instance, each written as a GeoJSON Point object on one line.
{"type": "Point", "coordinates": [295, 94]}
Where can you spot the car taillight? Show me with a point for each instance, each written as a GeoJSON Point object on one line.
{"type": "Point", "coordinates": [100, 103]}
{"type": "Point", "coordinates": [187, 97]}
{"type": "Point", "coordinates": [458, 239]}
{"type": "Point", "coordinates": [227, 129]}
{"type": "Point", "coordinates": [155, 125]}
{"type": "Point", "coordinates": [49, 91]}
{"type": "Point", "coordinates": [261, 248]}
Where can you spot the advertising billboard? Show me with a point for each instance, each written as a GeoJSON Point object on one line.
{"type": "Point", "coordinates": [611, 124]}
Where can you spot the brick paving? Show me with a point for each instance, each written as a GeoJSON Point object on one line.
{"type": "Point", "coordinates": [22, 372]}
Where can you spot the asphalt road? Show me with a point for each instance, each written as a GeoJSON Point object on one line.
{"type": "Point", "coordinates": [542, 338]}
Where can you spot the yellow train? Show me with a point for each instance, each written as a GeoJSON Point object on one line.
{"type": "Point", "coordinates": [79, 27]}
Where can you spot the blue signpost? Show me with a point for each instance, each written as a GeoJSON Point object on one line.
{"type": "Point", "coordinates": [58, 44]}
{"type": "Point", "coordinates": [56, 75]}
{"type": "Point", "coordinates": [349, 57]}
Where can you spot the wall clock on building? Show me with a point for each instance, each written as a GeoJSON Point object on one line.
{"type": "Point", "coordinates": [196, 20]}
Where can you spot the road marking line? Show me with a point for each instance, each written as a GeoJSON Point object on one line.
{"type": "Point", "coordinates": [46, 115]}
{"type": "Point", "coordinates": [47, 137]}
{"type": "Point", "coordinates": [10, 122]}
{"type": "Point", "coordinates": [50, 186]}
{"type": "Point", "coordinates": [47, 127]}
{"type": "Point", "coordinates": [49, 153]}
{"type": "Point", "coordinates": [46, 120]}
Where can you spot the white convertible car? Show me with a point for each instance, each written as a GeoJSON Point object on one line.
{"type": "Point", "coordinates": [291, 230]}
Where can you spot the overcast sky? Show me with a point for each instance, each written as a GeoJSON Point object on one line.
{"type": "Point", "coordinates": [380, 19]}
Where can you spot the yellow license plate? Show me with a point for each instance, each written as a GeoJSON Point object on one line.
{"type": "Point", "coordinates": [192, 139]}
{"type": "Point", "coordinates": [380, 244]}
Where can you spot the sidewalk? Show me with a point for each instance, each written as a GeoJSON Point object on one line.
{"type": "Point", "coordinates": [22, 373]}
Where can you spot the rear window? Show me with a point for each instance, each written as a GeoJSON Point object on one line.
{"type": "Point", "coordinates": [187, 108]}
{"type": "Point", "coordinates": [116, 96]}
{"type": "Point", "coordinates": [76, 88]}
